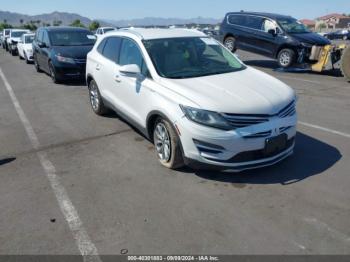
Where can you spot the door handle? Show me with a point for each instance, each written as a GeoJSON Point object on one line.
{"type": "Point", "coordinates": [98, 67]}
{"type": "Point", "coordinates": [117, 78]}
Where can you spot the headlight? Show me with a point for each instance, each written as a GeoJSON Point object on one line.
{"type": "Point", "coordinates": [207, 118]}
{"type": "Point", "coordinates": [65, 59]}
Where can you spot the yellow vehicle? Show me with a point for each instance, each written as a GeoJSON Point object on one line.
{"type": "Point", "coordinates": [331, 57]}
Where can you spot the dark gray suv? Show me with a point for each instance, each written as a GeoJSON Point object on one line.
{"type": "Point", "coordinates": [277, 36]}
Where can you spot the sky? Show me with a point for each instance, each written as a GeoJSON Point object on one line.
{"type": "Point", "coordinates": [116, 10]}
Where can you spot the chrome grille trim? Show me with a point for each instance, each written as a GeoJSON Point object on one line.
{"type": "Point", "coordinates": [259, 135]}
{"type": "Point", "coordinates": [245, 120]}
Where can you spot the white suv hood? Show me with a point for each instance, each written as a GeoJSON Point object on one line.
{"type": "Point", "coordinates": [244, 92]}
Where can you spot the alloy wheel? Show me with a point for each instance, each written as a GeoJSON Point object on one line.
{"type": "Point", "coordinates": [285, 59]}
{"type": "Point", "coordinates": [162, 142]}
{"type": "Point", "coordinates": [94, 96]}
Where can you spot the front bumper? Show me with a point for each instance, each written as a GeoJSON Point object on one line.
{"type": "Point", "coordinates": [235, 150]}
{"type": "Point", "coordinates": [70, 71]}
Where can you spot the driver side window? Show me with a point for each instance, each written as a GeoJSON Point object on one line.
{"type": "Point", "coordinates": [131, 54]}
{"type": "Point", "coordinates": [268, 25]}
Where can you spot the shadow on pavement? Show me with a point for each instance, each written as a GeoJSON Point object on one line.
{"type": "Point", "coordinates": [7, 160]}
{"type": "Point", "coordinates": [311, 157]}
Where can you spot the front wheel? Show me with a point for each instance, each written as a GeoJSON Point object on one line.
{"type": "Point", "coordinates": [53, 73]}
{"type": "Point", "coordinates": [36, 65]}
{"type": "Point", "coordinates": [167, 145]}
{"type": "Point", "coordinates": [286, 58]}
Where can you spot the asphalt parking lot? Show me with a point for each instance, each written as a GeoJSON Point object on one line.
{"type": "Point", "coordinates": [101, 189]}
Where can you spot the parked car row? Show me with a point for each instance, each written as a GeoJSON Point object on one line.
{"type": "Point", "coordinates": [187, 93]}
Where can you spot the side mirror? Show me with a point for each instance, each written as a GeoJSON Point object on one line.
{"type": "Point", "coordinates": [130, 69]}
{"type": "Point", "coordinates": [272, 32]}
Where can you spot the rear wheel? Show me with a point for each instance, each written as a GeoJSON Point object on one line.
{"type": "Point", "coordinates": [96, 100]}
{"type": "Point", "coordinates": [167, 144]}
{"type": "Point", "coordinates": [286, 58]}
{"type": "Point", "coordinates": [230, 43]}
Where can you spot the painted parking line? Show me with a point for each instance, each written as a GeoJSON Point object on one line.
{"type": "Point", "coordinates": [87, 249]}
{"type": "Point", "coordinates": [325, 129]}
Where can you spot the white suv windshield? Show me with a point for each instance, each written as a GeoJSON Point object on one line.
{"type": "Point", "coordinates": [190, 57]}
{"type": "Point", "coordinates": [18, 33]}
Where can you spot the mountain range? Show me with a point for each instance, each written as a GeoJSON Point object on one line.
{"type": "Point", "coordinates": [67, 18]}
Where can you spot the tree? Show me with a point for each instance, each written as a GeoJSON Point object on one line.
{"type": "Point", "coordinates": [21, 21]}
{"type": "Point", "coordinates": [77, 23]}
{"type": "Point", "coordinates": [94, 25]}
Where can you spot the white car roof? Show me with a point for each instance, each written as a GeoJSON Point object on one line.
{"type": "Point", "coordinates": [148, 34]}
{"type": "Point", "coordinates": [20, 30]}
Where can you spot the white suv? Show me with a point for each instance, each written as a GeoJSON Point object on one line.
{"type": "Point", "coordinates": [198, 103]}
{"type": "Point", "coordinates": [14, 38]}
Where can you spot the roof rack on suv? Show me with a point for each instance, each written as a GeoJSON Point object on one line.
{"type": "Point", "coordinates": [131, 30]}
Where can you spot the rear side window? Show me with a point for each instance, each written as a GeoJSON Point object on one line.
{"type": "Point", "coordinates": [237, 20]}
{"type": "Point", "coordinates": [101, 46]}
{"type": "Point", "coordinates": [111, 49]}
{"type": "Point", "coordinates": [254, 22]}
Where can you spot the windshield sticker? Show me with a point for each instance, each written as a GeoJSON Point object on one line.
{"type": "Point", "coordinates": [209, 41]}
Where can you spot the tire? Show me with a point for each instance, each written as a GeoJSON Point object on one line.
{"type": "Point", "coordinates": [167, 144]}
{"type": "Point", "coordinates": [26, 58]}
{"type": "Point", "coordinates": [36, 65]}
{"type": "Point", "coordinates": [345, 64]}
{"type": "Point", "coordinates": [96, 100]}
{"type": "Point", "coordinates": [230, 43]}
{"type": "Point", "coordinates": [53, 74]}
{"type": "Point", "coordinates": [286, 58]}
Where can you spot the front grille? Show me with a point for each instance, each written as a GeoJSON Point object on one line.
{"type": "Point", "coordinates": [288, 111]}
{"type": "Point", "coordinates": [245, 120]}
{"type": "Point", "coordinates": [80, 61]}
{"type": "Point", "coordinates": [241, 121]}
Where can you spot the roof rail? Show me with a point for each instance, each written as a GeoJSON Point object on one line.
{"type": "Point", "coordinates": [131, 30]}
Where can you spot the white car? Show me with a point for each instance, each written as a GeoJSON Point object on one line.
{"type": "Point", "coordinates": [102, 30]}
{"type": "Point", "coordinates": [198, 103]}
{"type": "Point", "coordinates": [14, 38]}
{"type": "Point", "coordinates": [25, 48]}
